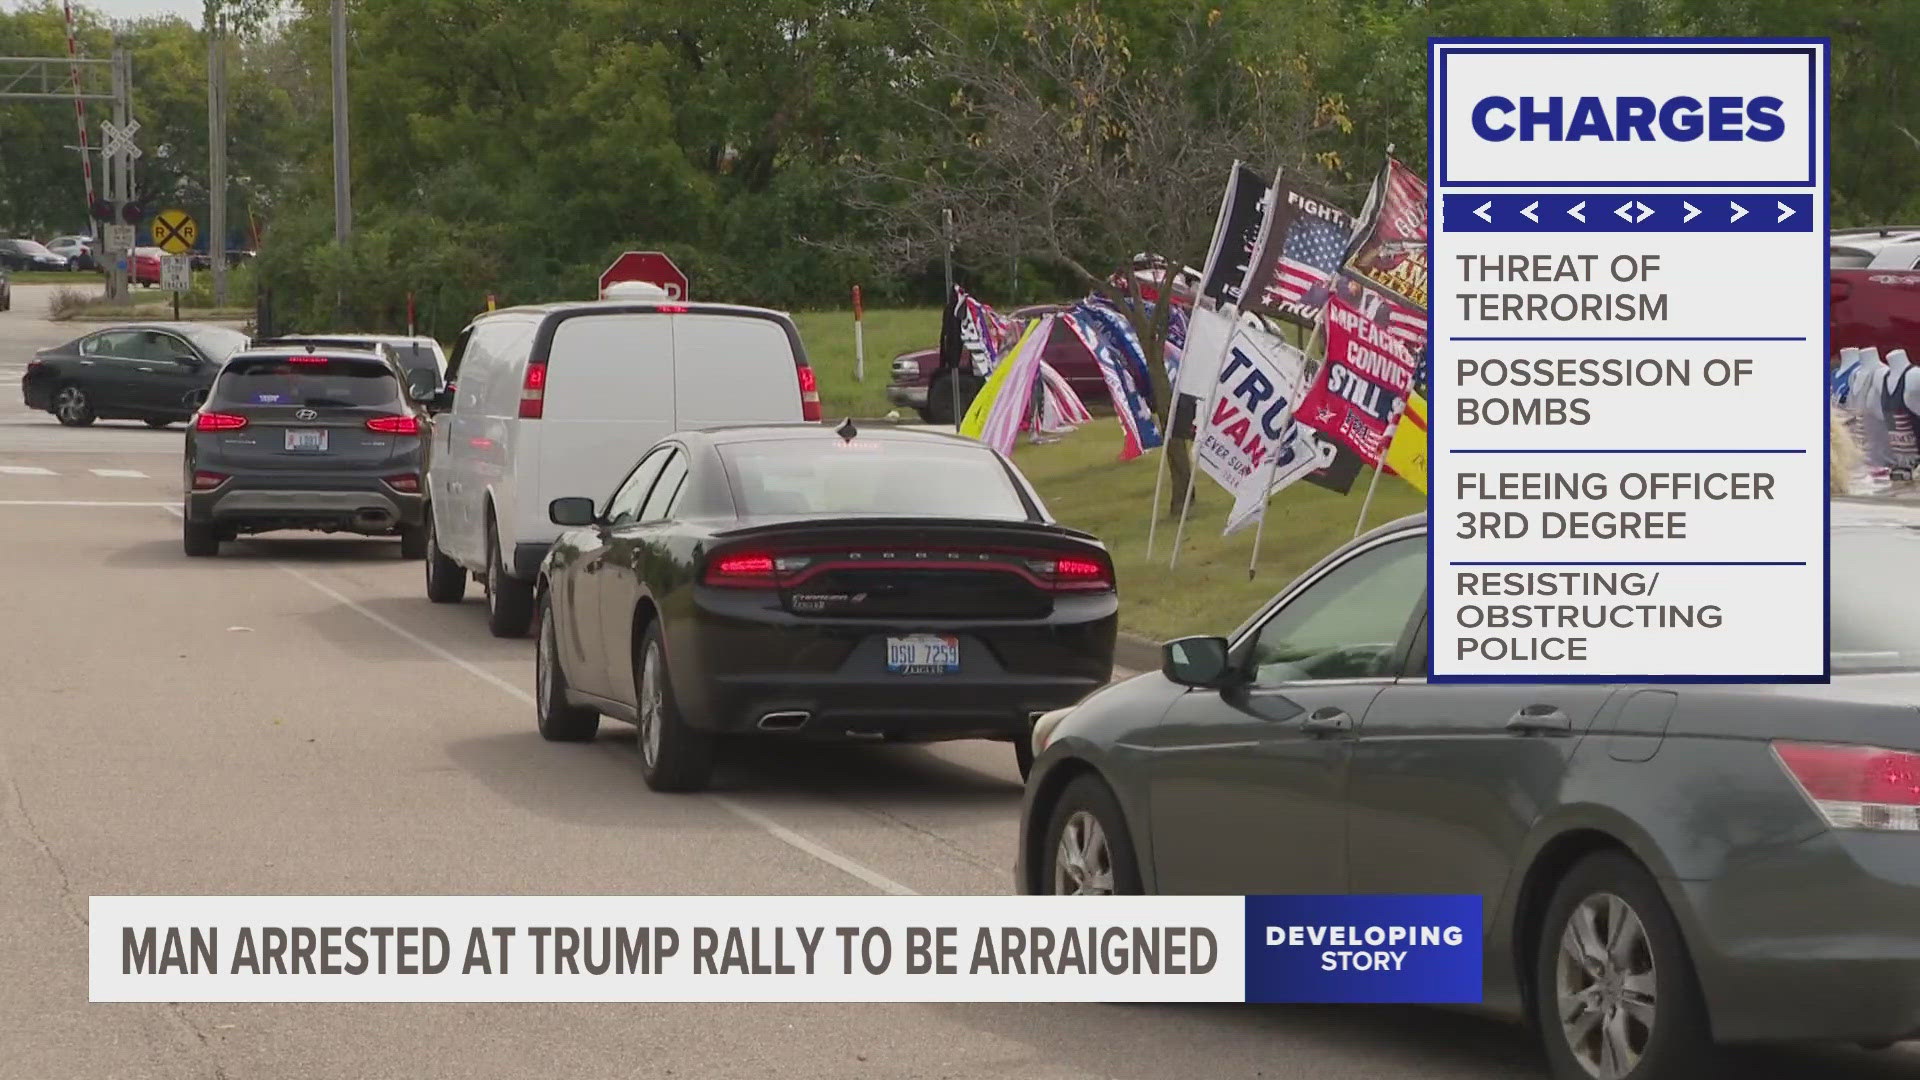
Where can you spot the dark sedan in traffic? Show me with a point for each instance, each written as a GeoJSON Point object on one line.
{"type": "Point", "coordinates": [801, 581]}
{"type": "Point", "coordinates": [1662, 868]}
{"type": "Point", "coordinates": [156, 372]}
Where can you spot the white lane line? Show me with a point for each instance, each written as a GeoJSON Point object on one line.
{"type": "Point", "coordinates": [83, 502]}
{"type": "Point", "coordinates": [25, 470]}
{"type": "Point", "coordinates": [766, 824]}
{"type": "Point", "coordinates": [128, 474]}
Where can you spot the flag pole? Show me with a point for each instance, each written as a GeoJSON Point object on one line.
{"type": "Point", "coordinates": [1160, 474]}
{"type": "Point", "coordinates": [1371, 484]}
{"type": "Point", "coordinates": [1193, 467]}
{"type": "Point", "coordinates": [1266, 493]}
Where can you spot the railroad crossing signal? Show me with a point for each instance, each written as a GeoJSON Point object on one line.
{"type": "Point", "coordinates": [119, 138]}
{"type": "Point", "coordinates": [174, 232]}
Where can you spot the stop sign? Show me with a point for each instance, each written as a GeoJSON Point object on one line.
{"type": "Point", "coordinates": [649, 266]}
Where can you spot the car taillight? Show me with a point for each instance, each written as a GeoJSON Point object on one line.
{"type": "Point", "coordinates": [207, 481]}
{"type": "Point", "coordinates": [394, 425]}
{"type": "Point", "coordinates": [308, 360]}
{"type": "Point", "coordinates": [743, 570]}
{"type": "Point", "coordinates": [671, 309]}
{"type": "Point", "coordinates": [1072, 573]}
{"type": "Point", "coordinates": [1856, 787]}
{"type": "Point", "coordinates": [809, 395]}
{"type": "Point", "coordinates": [407, 482]}
{"type": "Point", "coordinates": [533, 391]}
{"type": "Point", "coordinates": [215, 421]}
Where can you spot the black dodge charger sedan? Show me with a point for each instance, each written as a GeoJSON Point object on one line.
{"type": "Point", "coordinates": [800, 581]}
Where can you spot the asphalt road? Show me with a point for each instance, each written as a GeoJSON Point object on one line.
{"type": "Point", "coordinates": [294, 717]}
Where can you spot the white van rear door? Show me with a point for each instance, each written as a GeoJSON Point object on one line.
{"type": "Point", "coordinates": [733, 369]}
{"type": "Point", "coordinates": [609, 396]}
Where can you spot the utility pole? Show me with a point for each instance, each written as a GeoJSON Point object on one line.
{"type": "Point", "coordinates": [120, 168]}
{"type": "Point", "coordinates": [217, 150]}
{"type": "Point", "coordinates": [342, 182]}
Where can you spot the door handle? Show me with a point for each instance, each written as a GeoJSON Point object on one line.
{"type": "Point", "coordinates": [1331, 720]}
{"type": "Point", "coordinates": [1540, 720]}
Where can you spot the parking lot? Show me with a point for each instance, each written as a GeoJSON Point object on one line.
{"type": "Point", "coordinates": [295, 718]}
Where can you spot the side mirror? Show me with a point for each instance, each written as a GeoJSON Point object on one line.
{"type": "Point", "coordinates": [573, 512]}
{"type": "Point", "coordinates": [1200, 662]}
{"type": "Point", "coordinates": [441, 401]}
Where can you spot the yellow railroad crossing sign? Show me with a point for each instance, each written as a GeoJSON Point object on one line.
{"type": "Point", "coordinates": [174, 232]}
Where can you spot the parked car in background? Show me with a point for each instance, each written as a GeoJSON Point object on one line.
{"type": "Point", "coordinates": [558, 399]}
{"type": "Point", "coordinates": [144, 267]}
{"type": "Point", "coordinates": [77, 250]}
{"type": "Point", "coordinates": [156, 372]}
{"type": "Point", "coordinates": [1882, 247]}
{"type": "Point", "coordinates": [801, 582]}
{"type": "Point", "coordinates": [421, 358]}
{"type": "Point", "coordinates": [202, 259]}
{"type": "Point", "coordinates": [318, 440]}
{"type": "Point", "coordinates": [1659, 866]}
{"type": "Point", "coordinates": [1879, 308]}
{"type": "Point", "coordinates": [21, 254]}
{"type": "Point", "coordinates": [918, 384]}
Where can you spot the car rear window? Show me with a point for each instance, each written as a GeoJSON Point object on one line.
{"type": "Point", "coordinates": [820, 476]}
{"type": "Point", "coordinates": [1845, 258]}
{"type": "Point", "coordinates": [311, 381]}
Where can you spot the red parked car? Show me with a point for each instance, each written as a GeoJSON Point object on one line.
{"type": "Point", "coordinates": [914, 373]}
{"type": "Point", "coordinates": [1880, 308]}
{"type": "Point", "coordinates": [144, 267]}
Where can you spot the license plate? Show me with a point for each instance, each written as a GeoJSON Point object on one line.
{"type": "Point", "coordinates": [311, 440]}
{"type": "Point", "coordinates": [923, 654]}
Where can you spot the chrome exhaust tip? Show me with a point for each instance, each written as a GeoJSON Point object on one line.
{"type": "Point", "coordinates": [784, 721]}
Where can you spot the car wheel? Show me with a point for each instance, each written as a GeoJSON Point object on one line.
{"type": "Point", "coordinates": [72, 406]}
{"type": "Point", "coordinates": [199, 539]}
{"type": "Point", "coordinates": [673, 756]}
{"type": "Point", "coordinates": [413, 541]}
{"type": "Point", "coordinates": [1614, 991]}
{"type": "Point", "coordinates": [1089, 851]}
{"type": "Point", "coordinates": [446, 579]}
{"type": "Point", "coordinates": [159, 421]}
{"type": "Point", "coordinates": [509, 600]}
{"type": "Point", "coordinates": [1023, 752]}
{"type": "Point", "coordinates": [559, 720]}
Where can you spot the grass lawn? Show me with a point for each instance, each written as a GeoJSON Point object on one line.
{"type": "Point", "coordinates": [1086, 487]}
{"type": "Point", "coordinates": [828, 336]}
{"type": "Point", "coordinates": [76, 278]}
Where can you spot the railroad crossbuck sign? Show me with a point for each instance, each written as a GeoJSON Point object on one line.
{"type": "Point", "coordinates": [174, 232]}
{"type": "Point", "coordinates": [650, 266]}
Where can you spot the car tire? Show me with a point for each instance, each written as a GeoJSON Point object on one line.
{"type": "Point", "coordinates": [413, 541]}
{"type": "Point", "coordinates": [509, 600]}
{"type": "Point", "coordinates": [1023, 752]}
{"type": "Point", "coordinates": [71, 405]}
{"type": "Point", "coordinates": [1641, 969]}
{"type": "Point", "coordinates": [159, 421]}
{"type": "Point", "coordinates": [673, 755]}
{"type": "Point", "coordinates": [557, 719]}
{"type": "Point", "coordinates": [940, 398]}
{"type": "Point", "coordinates": [446, 579]}
{"type": "Point", "coordinates": [1088, 817]}
{"type": "Point", "coordinates": [199, 539]}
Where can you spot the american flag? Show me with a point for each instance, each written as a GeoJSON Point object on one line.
{"type": "Point", "coordinates": [1308, 257]}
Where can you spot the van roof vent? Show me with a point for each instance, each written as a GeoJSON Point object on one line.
{"type": "Point", "coordinates": [634, 290]}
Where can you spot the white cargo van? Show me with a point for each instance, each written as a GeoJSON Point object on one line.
{"type": "Point", "coordinates": [561, 399]}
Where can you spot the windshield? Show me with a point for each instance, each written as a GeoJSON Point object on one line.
{"type": "Point", "coordinates": [217, 342]}
{"type": "Point", "coordinates": [1875, 621]}
{"type": "Point", "coordinates": [316, 383]}
{"type": "Point", "coordinates": [817, 476]}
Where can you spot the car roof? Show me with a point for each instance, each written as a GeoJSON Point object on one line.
{"type": "Point", "coordinates": [181, 327]}
{"type": "Point", "coordinates": [826, 432]}
{"type": "Point", "coordinates": [268, 352]}
{"type": "Point", "coordinates": [623, 307]}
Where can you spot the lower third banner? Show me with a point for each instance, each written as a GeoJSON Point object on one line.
{"type": "Point", "coordinates": [783, 948]}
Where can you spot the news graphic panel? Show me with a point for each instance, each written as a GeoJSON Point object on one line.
{"type": "Point", "coordinates": [1628, 419]}
{"type": "Point", "coordinates": [1407, 949]}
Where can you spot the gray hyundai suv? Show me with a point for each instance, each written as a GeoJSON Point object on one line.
{"type": "Point", "coordinates": [327, 441]}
